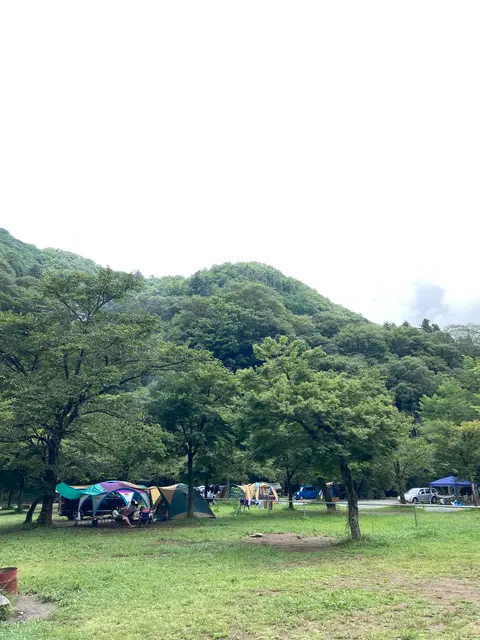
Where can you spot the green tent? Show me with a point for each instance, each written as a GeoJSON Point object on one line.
{"type": "Point", "coordinates": [172, 504]}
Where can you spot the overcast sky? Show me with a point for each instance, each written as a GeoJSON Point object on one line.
{"type": "Point", "coordinates": [336, 141]}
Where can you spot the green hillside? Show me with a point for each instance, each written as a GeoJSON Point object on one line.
{"type": "Point", "coordinates": [27, 260]}
{"type": "Point", "coordinates": [229, 308]}
{"type": "Point", "coordinates": [226, 309]}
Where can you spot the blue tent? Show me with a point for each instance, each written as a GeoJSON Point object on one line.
{"type": "Point", "coordinates": [450, 481]}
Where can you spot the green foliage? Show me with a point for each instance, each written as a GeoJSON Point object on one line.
{"type": "Point", "coordinates": [452, 403]}
{"type": "Point", "coordinates": [409, 379]}
{"type": "Point", "coordinates": [229, 323]}
{"type": "Point", "coordinates": [467, 338]}
{"type": "Point", "coordinates": [367, 340]}
{"type": "Point", "coordinates": [55, 260]}
{"type": "Point", "coordinates": [27, 260]}
{"type": "Point", "coordinates": [229, 308]}
{"type": "Point", "coordinates": [24, 259]}
{"type": "Point", "coordinates": [297, 297]}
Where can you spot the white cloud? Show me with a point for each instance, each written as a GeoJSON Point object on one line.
{"type": "Point", "coordinates": [335, 141]}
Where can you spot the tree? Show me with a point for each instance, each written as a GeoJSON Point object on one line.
{"type": "Point", "coordinates": [428, 327]}
{"type": "Point", "coordinates": [288, 447]}
{"type": "Point", "coordinates": [467, 337]}
{"type": "Point", "coordinates": [349, 419]}
{"type": "Point", "coordinates": [222, 459]}
{"type": "Point", "coordinates": [452, 403]}
{"type": "Point", "coordinates": [411, 457]}
{"type": "Point", "coordinates": [409, 379]}
{"type": "Point", "coordinates": [230, 322]}
{"type": "Point", "coordinates": [192, 406]}
{"type": "Point", "coordinates": [369, 340]}
{"type": "Point", "coordinates": [74, 365]}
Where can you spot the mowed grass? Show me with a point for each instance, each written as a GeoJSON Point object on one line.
{"type": "Point", "coordinates": [206, 580]}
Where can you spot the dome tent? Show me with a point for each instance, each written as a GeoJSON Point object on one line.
{"type": "Point", "coordinates": [263, 491]}
{"type": "Point", "coordinates": [254, 491]}
{"type": "Point", "coordinates": [172, 503]}
{"type": "Point", "coordinates": [232, 491]}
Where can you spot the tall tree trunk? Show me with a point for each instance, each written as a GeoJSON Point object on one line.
{"type": "Point", "coordinates": [10, 498]}
{"type": "Point", "coordinates": [21, 487]}
{"type": "Point", "coordinates": [474, 492]}
{"type": "Point", "coordinates": [33, 506]}
{"type": "Point", "coordinates": [49, 483]}
{"type": "Point", "coordinates": [327, 496]}
{"type": "Point", "coordinates": [290, 496]}
{"type": "Point", "coordinates": [351, 499]}
{"type": "Point", "coordinates": [191, 493]}
{"type": "Point", "coordinates": [399, 482]}
{"type": "Point", "coordinates": [1, 495]}
{"type": "Point", "coordinates": [46, 512]}
{"type": "Point", "coordinates": [290, 491]}
{"type": "Point", "coordinates": [205, 491]}
{"type": "Point", "coordinates": [228, 488]}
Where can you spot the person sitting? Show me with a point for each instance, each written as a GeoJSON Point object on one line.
{"type": "Point", "coordinates": [131, 510]}
{"type": "Point", "coordinates": [121, 517]}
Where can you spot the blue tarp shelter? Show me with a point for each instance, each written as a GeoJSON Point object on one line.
{"type": "Point", "coordinates": [450, 481]}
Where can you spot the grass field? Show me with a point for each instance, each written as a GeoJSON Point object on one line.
{"type": "Point", "coordinates": [207, 580]}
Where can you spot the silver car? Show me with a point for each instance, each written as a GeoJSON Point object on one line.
{"type": "Point", "coordinates": [424, 494]}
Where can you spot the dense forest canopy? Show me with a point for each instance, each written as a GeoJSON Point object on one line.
{"type": "Point", "coordinates": [88, 353]}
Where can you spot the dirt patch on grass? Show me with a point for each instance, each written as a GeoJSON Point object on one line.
{"type": "Point", "coordinates": [294, 542]}
{"type": "Point", "coordinates": [445, 594]}
{"type": "Point", "coordinates": [443, 589]}
{"type": "Point", "coordinates": [452, 590]}
{"type": "Point", "coordinates": [28, 608]}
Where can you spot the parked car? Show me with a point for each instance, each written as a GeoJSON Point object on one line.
{"type": "Point", "coordinates": [423, 494]}
{"type": "Point", "coordinates": [307, 493]}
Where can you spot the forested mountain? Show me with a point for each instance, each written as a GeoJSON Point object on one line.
{"type": "Point", "coordinates": [225, 309]}
{"type": "Point", "coordinates": [19, 262]}
{"type": "Point", "coordinates": [247, 372]}
{"type": "Point", "coordinates": [27, 260]}
{"type": "Point", "coordinates": [229, 308]}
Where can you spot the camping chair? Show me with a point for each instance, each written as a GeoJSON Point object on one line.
{"type": "Point", "coordinates": [145, 517]}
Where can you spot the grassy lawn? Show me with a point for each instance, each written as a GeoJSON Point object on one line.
{"type": "Point", "coordinates": [207, 580]}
